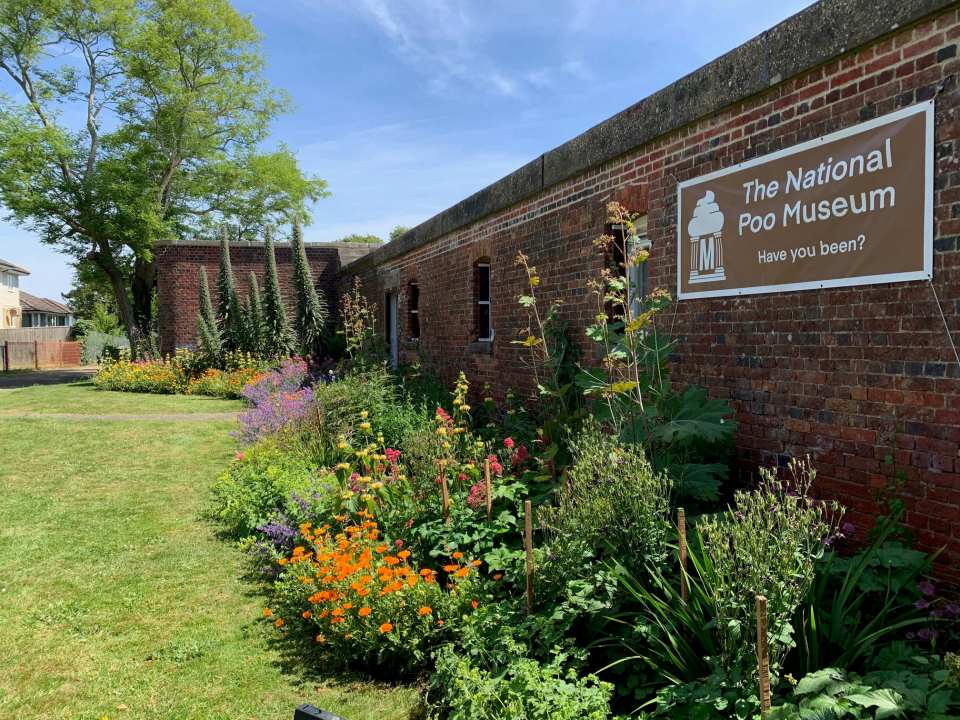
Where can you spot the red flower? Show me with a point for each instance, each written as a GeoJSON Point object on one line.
{"type": "Point", "coordinates": [520, 455]}
{"type": "Point", "coordinates": [508, 443]}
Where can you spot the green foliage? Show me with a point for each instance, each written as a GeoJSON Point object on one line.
{"type": "Point", "coordinates": [230, 317]}
{"type": "Point", "coordinates": [136, 122]}
{"type": "Point", "coordinates": [829, 693]}
{"type": "Point", "coordinates": [767, 544]}
{"type": "Point", "coordinates": [611, 501]}
{"type": "Point", "coordinates": [97, 346]}
{"type": "Point", "coordinates": [100, 320]}
{"type": "Point", "coordinates": [398, 232]}
{"type": "Point", "coordinates": [257, 485]}
{"type": "Point", "coordinates": [277, 336]}
{"type": "Point", "coordinates": [522, 689]}
{"type": "Point", "coordinates": [928, 684]}
{"type": "Point", "coordinates": [367, 239]}
{"type": "Point", "coordinates": [358, 327]}
{"type": "Point", "coordinates": [859, 603]}
{"type": "Point", "coordinates": [254, 317]}
{"type": "Point", "coordinates": [208, 332]}
{"type": "Point", "coordinates": [311, 310]}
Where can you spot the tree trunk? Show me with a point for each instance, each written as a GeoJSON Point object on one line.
{"type": "Point", "coordinates": [105, 261]}
{"type": "Point", "coordinates": [144, 281]}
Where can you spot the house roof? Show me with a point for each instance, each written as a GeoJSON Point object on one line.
{"type": "Point", "coordinates": [10, 267]}
{"type": "Point", "coordinates": [36, 304]}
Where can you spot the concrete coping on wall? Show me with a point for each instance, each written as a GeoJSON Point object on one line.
{"type": "Point", "coordinates": [339, 244]}
{"type": "Point", "coordinates": [811, 38]}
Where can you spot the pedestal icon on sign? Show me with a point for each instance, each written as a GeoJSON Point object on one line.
{"type": "Point", "coordinates": [706, 241]}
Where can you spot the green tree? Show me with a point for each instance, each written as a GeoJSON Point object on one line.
{"type": "Point", "coordinates": [398, 232]}
{"type": "Point", "coordinates": [229, 311]}
{"type": "Point", "coordinates": [138, 120]}
{"type": "Point", "coordinates": [311, 307]}
{"type": "Point", "coordinates": [277, 336]}
{"type": "Point", "coordinates": [254, 310]}
{"type": "Point", "coordinates": [355, 238]}
{"type": "Point", "coordinates": [208, 334]}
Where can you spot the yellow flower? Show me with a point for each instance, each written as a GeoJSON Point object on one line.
{"type": "Point", "coordinates": [364, 426]}
{"type": "Point", "coordinates": [376, 486]}
{"type": "Point", "coordinates": [342, 445]}
{"type": "Point", "coordinates": [364, 414]}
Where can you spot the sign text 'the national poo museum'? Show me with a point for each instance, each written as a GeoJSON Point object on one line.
{"type": "Point", "coordinates": [851, 208]}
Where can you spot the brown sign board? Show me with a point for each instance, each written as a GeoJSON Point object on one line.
{"type": "Point", "coordinates": [851, 208]}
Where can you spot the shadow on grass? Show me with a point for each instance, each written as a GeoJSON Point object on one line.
{"type": "Point", "coordinates": [298, 657]}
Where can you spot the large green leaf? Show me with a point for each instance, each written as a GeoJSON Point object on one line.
{"type": "Point", "coordinates": [693, 416]}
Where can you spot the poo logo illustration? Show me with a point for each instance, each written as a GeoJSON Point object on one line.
{"type": "Point", "coordinates": [706, 241]}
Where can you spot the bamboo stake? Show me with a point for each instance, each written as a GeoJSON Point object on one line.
{"type": "Point", "coordinates": [445, 492]}
{"type": "Point", "coordinates": [763, 656]}
{"type": "Point", "coordinates": [488, 487]}
{"type": "Point", "coordinates": [682, 527]}
{"type": "Point", "coordinates": [528, 543]}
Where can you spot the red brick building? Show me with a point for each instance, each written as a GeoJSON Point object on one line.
{"type": "Point", "coordinates": [178, 278]}
{"type": "Point", "coordinates": [848, 375]}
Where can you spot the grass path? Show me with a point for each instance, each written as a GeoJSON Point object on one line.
{"type": "Point", "coordinates": [116, 600]}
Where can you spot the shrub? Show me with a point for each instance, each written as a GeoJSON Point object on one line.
{"type": "Point", "coordinates": [768, 544]}
{"type": "Point", "coordinates": [97, 345]}
{"type": "Point", "coordinates": [278, 399]}
{"type": "Point", "coordinates": [223, 384]}
{"type": "Point", "coordinates": [259, 483]}
{"type": "Point", "coordinates": [613, 499]}
{"type": "Point", "coordinates": [124, 375]}
{"type": "Point", "coordinates": [363, 599]}
{"type": "Point", "coordinates": [523, 689]}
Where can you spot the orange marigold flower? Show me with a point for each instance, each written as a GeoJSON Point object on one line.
{"type": "Point", "coordinates": [426, 572]}
{"type": "Point", "coordinates": [403, 554]}
{"type": "Point", "coordinates": [474, 604]}
{"type": "Point", "coordinates": [320, 639]}
{"type": "Point", "coordinates": [279, 622]}
{"type": "Point", "coordinates": [477, 563]}
{"type": "Point", "coordinates": [364, 611]}
{"type": "Point", "coordinates": [307, 614]}
{"type": "Point", "coordinates": [267, 612]}
{"type": "Point", "coordinates": [457, 555]}
{"type": "Point", "coordinates": [462, 572]}
{"type": "Point", "coordinates": [381, 549]}
{"type": "Point", "coordinates": [498, 577]}
{"type": "Point", "coordinates": [390, 560]}
{"type": "Point", "coordinates": [425, 610]}
{"type": "Point", "coordinates": [386, 627]}
{"type": "Point", "coordinates": [450, 568]}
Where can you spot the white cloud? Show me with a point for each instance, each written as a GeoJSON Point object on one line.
{"type": "Point", "coordinates": [393, 175]}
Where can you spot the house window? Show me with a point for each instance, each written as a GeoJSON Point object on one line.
{"type": "Point", "coordinates": [413, 300]}
{"type": "Point", "coordinates": [11, 280]}
{"type": "Point", "coordinates": [484, 324]}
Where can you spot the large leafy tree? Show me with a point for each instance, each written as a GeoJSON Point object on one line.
{"type": "Point", "coordinates": [130, 121]}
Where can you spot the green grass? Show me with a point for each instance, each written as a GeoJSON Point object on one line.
{"type": "Point", "coordinates": [116, 600]}
{"type": "Point", "coordinates": [84, 398]}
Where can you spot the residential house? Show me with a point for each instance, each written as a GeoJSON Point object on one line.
{"type": "Point", "coordinates": [10, 294]}
{"type": "Point", "coordinates": [40, 312]}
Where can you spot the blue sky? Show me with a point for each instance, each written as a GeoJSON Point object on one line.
{"type": "Point", "coordinates": [407, 106]}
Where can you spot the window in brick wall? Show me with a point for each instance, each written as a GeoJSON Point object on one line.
{"type": "Point", "coordinates": [483, 316]}
{"type": "Point", "coordinates": [413, 303]}
{"type": "Point", "coordinates": [638, 274]}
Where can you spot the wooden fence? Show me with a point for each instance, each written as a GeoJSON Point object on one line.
{"type": "Point", "coordinates": [38, 354]}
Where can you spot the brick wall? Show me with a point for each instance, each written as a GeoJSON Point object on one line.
{"type": "Point", "coordinates": [848, 375]}
{"type": "Point", "coordinates": [178, 273]}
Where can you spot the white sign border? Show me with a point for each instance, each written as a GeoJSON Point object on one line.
{"type": "Point", "coordinates": [925, 274]}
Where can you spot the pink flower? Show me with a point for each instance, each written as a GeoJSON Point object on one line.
{"type": "Point", "coordinates": [508, 443]}
{"type": "Point", "coordinates": [393, 456]}
{"type": "Point", "coordinates": [398, 543]}
{"type": "Point", "coordinates": [462, 477]}
{"type": "Point", "coordinates": [495, 467]}
{"type": "Point", "coordinates": [478, 496]}
{"type": "Point", "coordinates": [240, 456]}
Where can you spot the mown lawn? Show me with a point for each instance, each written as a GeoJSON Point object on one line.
{"type": "Point", "coordinates": [84, 398]}
{"type": "Point", "coordinates": [116, 599]}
